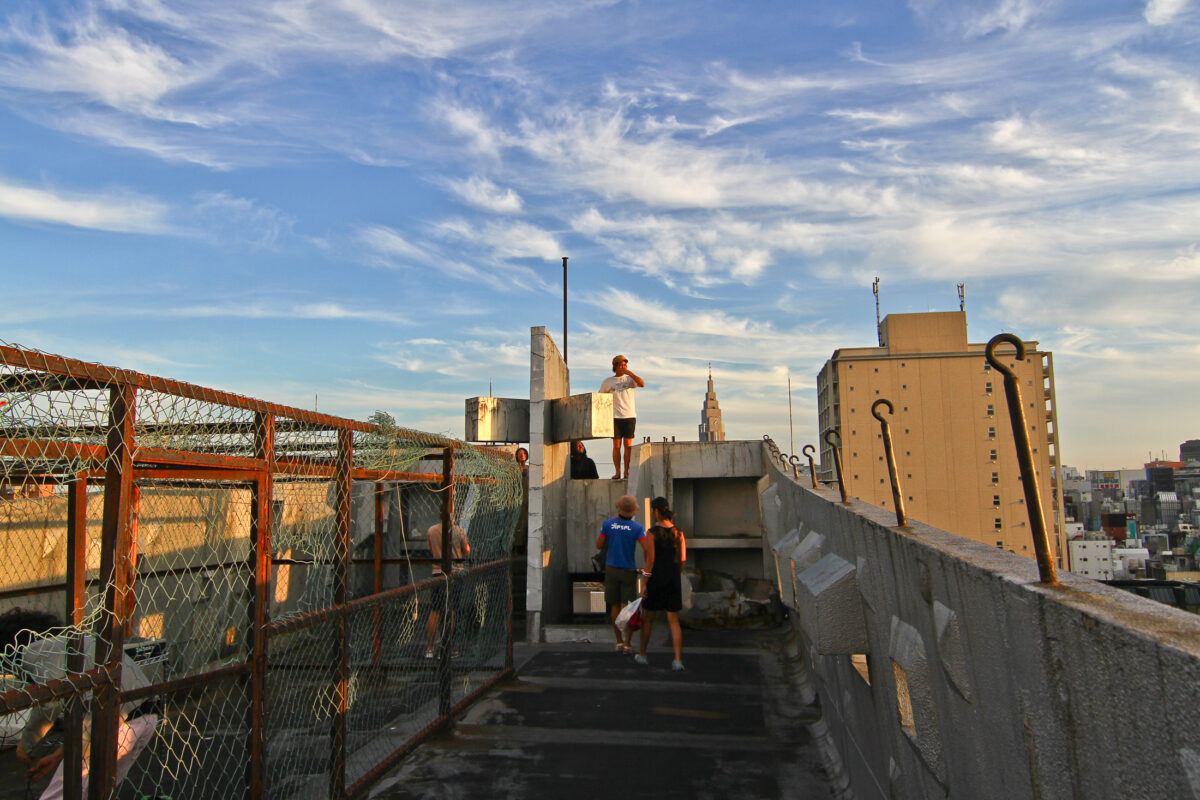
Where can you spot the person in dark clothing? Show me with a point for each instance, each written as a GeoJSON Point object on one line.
{"type": "Point", "coordinates": [663, 590]}
{"type": "Point", "coordinates": [581, 465]}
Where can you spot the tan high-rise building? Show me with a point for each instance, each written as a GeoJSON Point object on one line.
{"type": "Point", "coordinates": [712, 429]}
{"type": "Point", "coordinates": [954, 447]}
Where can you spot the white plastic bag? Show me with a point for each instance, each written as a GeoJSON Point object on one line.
{"type": "Point", "coordinates": [627, 612]}
{"type": "Point", "coordinates": [685, 589]}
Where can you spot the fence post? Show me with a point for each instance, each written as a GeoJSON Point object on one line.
{"type": "Point", "coordinates": [343, 485]}
{"type": "Point", "coordinates": [115, 551]}
{"type": "Point", "coordinates": [377, 582]}
{"type": "Point", "coordinates": [447, 637]}
{"type": "Point", "coordinates": [76, 600]}
{"type": "Point", "coordinates": [1029, 480]}
{"type": "Point", "coordinates": [261, 525]}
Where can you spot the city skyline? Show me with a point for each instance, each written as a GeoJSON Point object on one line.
{"type": "Point", "coordinates": [368, 202]}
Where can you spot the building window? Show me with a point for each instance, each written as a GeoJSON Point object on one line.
{"type": "Point", "coordinates": [904, 386]}
{"type": "Point", "coordinates": [1000, 545]}
{"type": "Point", "coordinates": [992, 455]}
{"type": "Point", "coordinates": [991, 433]}
{"type": "Point", "coordinates": [991, 411]}
{"type": "Point", "coordinates": [996, 500]}
{"type": "Point", "coordinates": [987, 387]}
{"type": "Point", "coordinates": [877, 369]}
{"type": "Point", "coordinates": [995, 477]}
{"type": "Point", "coordinates": [998, 523]}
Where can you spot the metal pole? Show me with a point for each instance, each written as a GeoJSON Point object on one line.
{"type": "Point", "coordinates": [343, 485]}
{"type": "Point", "coordinates": [377, 565]}
{"type": "Point", "coordinates": [260, 566]}
{"type": "Point", "coordinates": [76, 599]}
{"type": "Point", "coordinates": [564, 258]}
{"type": "Point", "coordinates": [447, 638]}
{"type": "Point", "coordinates": [808, 450]}
{"type": "Point", "coordinates": [837, 460]}
{"type": "Point", "coordinates": [791, 428]}
{"type": "Point", "coordinates": [116, 546]}
{"type": "Point", "coordinates": [1029, 479]}
{"type": "Point", "coordinates": [897, 495]}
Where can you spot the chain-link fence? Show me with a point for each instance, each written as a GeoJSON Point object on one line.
{"type": "Point", "coordinates": [204, 595]}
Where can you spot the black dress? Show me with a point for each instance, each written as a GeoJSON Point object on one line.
{"type": "Point", "coordinates": [663, 591]}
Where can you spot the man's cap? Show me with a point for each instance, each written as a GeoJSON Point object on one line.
{"type": "Point", "coordinates": [618, 358]}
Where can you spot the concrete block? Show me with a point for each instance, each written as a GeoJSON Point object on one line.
{"type": "Point", "coordinates": [785, 578]}
{"type": "Point", "coordinates": [497, 419]}
{"type": "Point", "coordinates": [830, 607]}
{"type": "Point", "coordinates": [916, 707]}
{"type": "Point", "coordinates": [807, 552]}
{"type": "Point", "coordinates": [951, 651]}
{"type": "Point", "coordinates": [581, 416]}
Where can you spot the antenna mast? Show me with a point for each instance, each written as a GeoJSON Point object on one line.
{"type": "Point", "coordinates": [962, 297]}
{"type": "Point", "coordinates": [791, 431]}
{"type": "Point", "coordinates": [878, 325]}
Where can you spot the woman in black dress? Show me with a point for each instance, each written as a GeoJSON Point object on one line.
{"type": "Point", "coordinates": [663, 588]}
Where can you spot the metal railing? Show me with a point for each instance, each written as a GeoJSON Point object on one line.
{"type": "Point", "coordinates": [247, 603]}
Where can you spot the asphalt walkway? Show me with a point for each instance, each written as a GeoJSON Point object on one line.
{"type": "Point", "coordinates": [583, 721]}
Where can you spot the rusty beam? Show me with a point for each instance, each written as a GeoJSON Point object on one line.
{"type": "Point", "coordinates": [341, 656]}
{"type": "Point", "coordinates": [75, 601]}
{"type": "Point", "coordinates": [261, 524]}
{"type": "Point", "coordinates": [186, 683]}
{"type": "Point", "coordinates": [447, 626]}
{"type": "Point", "coordinates": [36, 694]}
{"type": "Point", "coordinates": [308, 619]}
{"type": "Point", "coordinates": [115, 552]}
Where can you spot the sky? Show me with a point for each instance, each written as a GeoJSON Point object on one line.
{"type": "Point", "coordinates": [363, 204]}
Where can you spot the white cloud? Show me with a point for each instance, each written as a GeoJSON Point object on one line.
{"type": "Point", "coordinates": [240, 221]}
{"type": "Point", "coordinates": [482, 193]}
{"type": "Point", "coordinates": [503, 240]}
{"type": "Point", "coordinates": [1163, 12]}
{"type": "Point", "coordinates": [121, 212]}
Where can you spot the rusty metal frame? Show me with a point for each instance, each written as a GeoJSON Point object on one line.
{"type": "Point", "coordinates": [113, 459]}
{"type": "Point", "coordinates": [837, 461]}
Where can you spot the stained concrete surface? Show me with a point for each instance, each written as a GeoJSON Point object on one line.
{"type": "Point", "coordinates": [582, 721]}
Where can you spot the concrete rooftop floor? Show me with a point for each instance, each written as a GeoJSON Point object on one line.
{"type": "Point", "coordinates": [583, 721]}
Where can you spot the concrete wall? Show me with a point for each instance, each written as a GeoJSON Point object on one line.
{"type": "Point", "coordinates": [980, 682]}
{"type": "Point", "coordinates": [589, 503]}
{"type": "Point", "coordinates": [547, 593]}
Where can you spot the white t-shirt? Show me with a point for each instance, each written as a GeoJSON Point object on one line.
{"type": "Point", "coordinates": [621, 388]}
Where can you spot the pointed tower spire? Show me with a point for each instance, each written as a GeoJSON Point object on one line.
{"type": "Point", "coordinates": [712, 429]}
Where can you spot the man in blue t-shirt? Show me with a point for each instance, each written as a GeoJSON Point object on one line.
{"type": "Point", "coordinates": [622, 534]}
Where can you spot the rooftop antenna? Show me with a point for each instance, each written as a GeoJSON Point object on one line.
{"type": "Point", "coordinates": [962, 297]}
{"type": "Point", "coordinates": [878, 325]}
{"type": "Point", "coordinates": [564, 258]}
{"type": "Point", "coordinates": [791, 430]}
{"type": "Point", "coordinates": [490, 388]}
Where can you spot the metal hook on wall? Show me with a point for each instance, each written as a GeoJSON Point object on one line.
{"type": "Point", "coordinates": [1029, 478]}
{"type": "Point", "coordinates": [893, 476]}
{"type": "Point", "coordinates": [837, 460]}
{"type": "Point", "coordinates": [809, 450]}
{"type": "Point", "coordinates": [794, 460]}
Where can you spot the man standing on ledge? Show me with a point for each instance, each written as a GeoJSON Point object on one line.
{"type": "Point", "coordinates": [621, 386]}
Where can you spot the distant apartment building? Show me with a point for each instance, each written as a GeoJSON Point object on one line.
{"type": "Point", "coordinates": [1189, 451]}
{"type": "Point", "coordinates": [712, 429]}
{"type": "Point", "coordinates": [1092, 558]}
{"type": "Point", "coordinates": [953, 443]}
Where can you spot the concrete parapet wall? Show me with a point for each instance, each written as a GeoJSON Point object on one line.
{"type": "Point", "coordinates": [980, 682]}
{"type": "Point", "coordinates": [589, 503]}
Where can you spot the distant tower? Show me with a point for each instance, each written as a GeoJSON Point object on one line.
{"type": "Point", "coordinates": [711, 427]}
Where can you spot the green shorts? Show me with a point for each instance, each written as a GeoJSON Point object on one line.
{"type": "Point", "coordinates": [620, 585]}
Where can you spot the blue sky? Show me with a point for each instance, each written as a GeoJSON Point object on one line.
{"type": "Point", "coordinates": [369, 200]}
